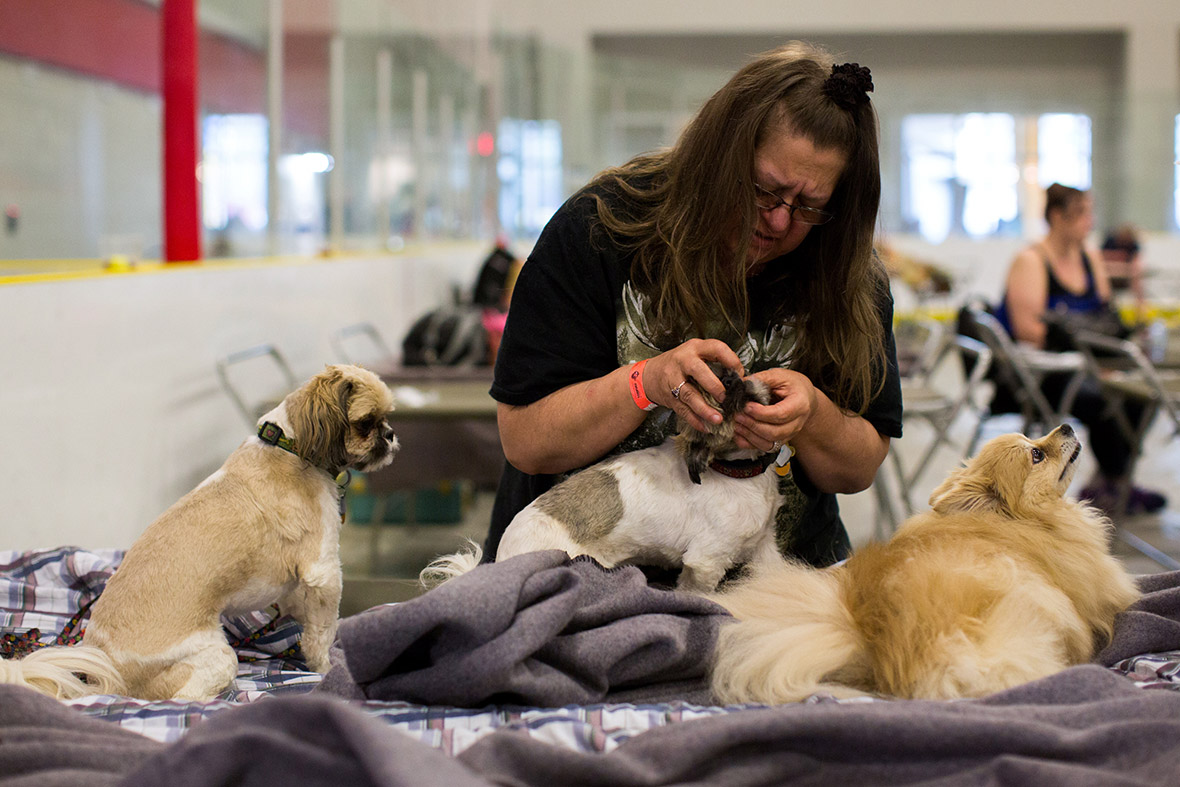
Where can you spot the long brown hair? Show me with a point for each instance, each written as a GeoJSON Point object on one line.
{"type": "Point", "coordinates": [682, 206]}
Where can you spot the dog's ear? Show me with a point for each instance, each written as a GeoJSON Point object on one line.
{"type": "Point", "coordinates": [344, 395]}
{"type": "Point", "coordinates": [694, 447]}
{"type": "Point", "coordinates": [757, 391]}
{"type": "Point", "coordinates": [697, 460]}
{"type": "Point", "coordinates": [319, 416]}
{"type": "Point", "coordinates": [735, 393]}
{"type": "Point", "coordinates": [739, 391]}
{"type": "Point", "coordinates": [970, 488]}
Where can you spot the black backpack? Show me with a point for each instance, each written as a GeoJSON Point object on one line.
{"type": "Point", "coordinates": [447, 336]}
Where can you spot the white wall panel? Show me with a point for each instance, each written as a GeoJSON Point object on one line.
{"type": "Point", "coordinates": [111, 408]}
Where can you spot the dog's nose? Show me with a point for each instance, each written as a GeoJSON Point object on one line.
{"type": "Point", "coordinates": [1066, 430]}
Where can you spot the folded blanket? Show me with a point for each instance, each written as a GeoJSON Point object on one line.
{"type": "Point", "coordinates": [1151, 624]}
{"type": "Point", "coordinates": [1084, 726]}
{"type": "Point", "coordinates": [305, 741]}
{"type": "Point", "coordinates": [538, 629]}
{"type": "Point", "coordinates": [46, 744]}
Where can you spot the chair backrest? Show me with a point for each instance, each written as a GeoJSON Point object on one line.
{"type": "Point", "coordinates": [974, 355]}
{"type": "Point", "coordinates": [257, 376]}
{"type": "Point", "coordinates": [935, 397]}
{"type": "Point", "coordinates": [921, 343]}
{"type": "Point", "coordinates": [980, 356]}
{"type": "Point", "coordinates": [1105, 352]}
{"type": "Point", "coordinates": [379, 357]}
{"type": "Point", "coordinates": [447, 336]}
{"type": "Point", "coordinates": [1010, 370]}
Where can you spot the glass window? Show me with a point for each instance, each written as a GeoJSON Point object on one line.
{"type": "Point", "coordinates": [985, 166]}
{"type": "Point", "coordinates": [959, 174]}
{"type": "Point", "coordinates": [927, 174]}
{"type": "Point", "coordinates": [1063, 150]}
{"type": "Point", "coordinates": [967, 174]}
{"type": "Point", "coordinates": [233, 171]}
{"type": "Point", "coordinates": [529, 169]}
{"type": "Point", "coordinates": [1176, 168]}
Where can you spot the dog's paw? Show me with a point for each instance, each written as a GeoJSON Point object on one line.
{"type": "Point", "coordinates": [700, 579]}
{"type": "Point", "coordinates": [321, 664]}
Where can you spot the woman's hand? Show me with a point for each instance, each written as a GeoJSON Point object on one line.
{"type": "Point", "coordinates": [580, 423]}
{"type": "Point", "coordinates": [840, 451]}
{"type": "Point", "coordinates": [766, 427]}
{"type": "Point", "coordinates": [677, 377]}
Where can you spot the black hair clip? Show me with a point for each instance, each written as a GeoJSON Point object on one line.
{"type": "Point", "coordinates": [849, 85]}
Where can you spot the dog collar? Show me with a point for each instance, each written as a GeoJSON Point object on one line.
{"type": "Point", "coordinates": [743, 468]}
{"type": "Point", "coordinates": [272, 434]}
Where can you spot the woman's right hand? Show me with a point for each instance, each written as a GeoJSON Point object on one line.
{"type": "Point", "coordinates": [582, 422]}
{"type": "Point", "coordinates": [677, 377]}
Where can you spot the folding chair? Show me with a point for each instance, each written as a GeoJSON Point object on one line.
{"type": "Point", "coordinates": [1020, 370]}
{"type": "Point", "coordinates": [1125, 372]}
{"type": "Point", "coordinates": [939, 405]}
{"type": "Point", "coordinates": [1122, 366]}
{"type": "Point", "coordinates": [919, 341]}
{"type": "Point", "coordinates": [287, 382]}
{"type": "Point", "coordinates": [383, 361]}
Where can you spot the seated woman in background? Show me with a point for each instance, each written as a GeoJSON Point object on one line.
{"type": "Point", "coordinates": [1063, 272]}
{"type": "Point", "coordinates": [1124, 265]}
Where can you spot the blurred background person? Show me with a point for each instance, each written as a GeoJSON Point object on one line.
{"type": "Point", "coordinates": [1058, 278]}
{"type": "Point", "coordinates": [1124, 264]}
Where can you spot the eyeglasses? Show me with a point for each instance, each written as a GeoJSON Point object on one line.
{"type": "Point", "coordinates": [768, 201]}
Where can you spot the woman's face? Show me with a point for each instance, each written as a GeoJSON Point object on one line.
{"type": "Point", "coordinates": [1077, 218]}
{"type": "Point", "coordinates": [791, 168]}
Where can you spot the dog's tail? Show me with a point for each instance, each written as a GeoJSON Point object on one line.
{"type": "Point", "coordinates": [59, 671]}
{"type": "Point", "coordinates": [447, 567]}
{"type": "Point", "coordinates": [793, 637]}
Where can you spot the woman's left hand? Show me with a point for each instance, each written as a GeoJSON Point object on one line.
{"type": "Point", "coordinates": [768, 427]}
{"type": "Point", "coordinates": [840, 451]}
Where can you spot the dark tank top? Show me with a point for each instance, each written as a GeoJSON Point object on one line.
{"type": "Point", "coordinates": [1060, 298]}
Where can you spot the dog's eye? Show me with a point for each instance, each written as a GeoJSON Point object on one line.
{"type": "Point", "coordinates": [1038, 456]}
{"type": "Point", "coordinates": [365, 426]}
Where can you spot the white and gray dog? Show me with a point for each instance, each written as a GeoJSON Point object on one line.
{"type": "Point", "coordinates": [695, 502]}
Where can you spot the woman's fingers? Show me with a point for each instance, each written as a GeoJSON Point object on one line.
{"type": "Point", "coordinates": [690, 404]}
{"type": "Point", "coordinates": [679, 377]}
{"type": "Point", "coordinates": [761, 438]}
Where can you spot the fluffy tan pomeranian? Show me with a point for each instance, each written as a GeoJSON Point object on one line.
{"type": "Point", "coordinates": [1005, 581]}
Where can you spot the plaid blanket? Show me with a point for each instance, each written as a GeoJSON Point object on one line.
{"type": "Point", "coordinates": [44, 589]}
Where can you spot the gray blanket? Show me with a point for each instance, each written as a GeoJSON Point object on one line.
{"type": "Point", "coordinates": [1151, 625]}
{"type": "Point", "coordinates": [538, 629]}
{"type": "Point", "coordinates": [1084, 726]}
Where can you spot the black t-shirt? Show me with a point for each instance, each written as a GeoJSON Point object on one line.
{"type": "Point", "coordinates": [575, 316]}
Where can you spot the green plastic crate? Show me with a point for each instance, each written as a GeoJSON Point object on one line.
{"type": "Point", "coordinates": [442, 505]}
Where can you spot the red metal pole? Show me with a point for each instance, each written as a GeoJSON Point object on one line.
{"type": "Point", "coordinates": [182, 217]}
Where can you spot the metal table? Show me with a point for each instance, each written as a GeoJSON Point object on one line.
{"type": "Point", "coordinates": [445, 422]}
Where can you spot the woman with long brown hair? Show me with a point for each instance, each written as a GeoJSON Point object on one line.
{"type": "Point", "coordinates": [748, 244]}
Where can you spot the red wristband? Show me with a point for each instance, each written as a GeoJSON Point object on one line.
{"type": "Point", "coordinates": [635, 380]}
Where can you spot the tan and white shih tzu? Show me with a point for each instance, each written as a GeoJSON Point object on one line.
{"type": "Point", "coordinates": [695, 502]}
{"type": "Point", "coordinates": [263, 529]}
